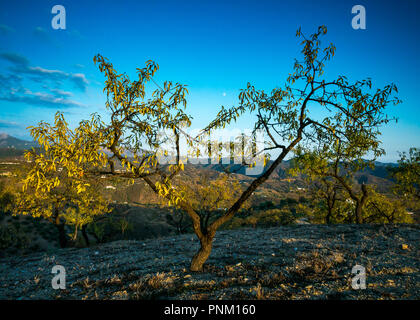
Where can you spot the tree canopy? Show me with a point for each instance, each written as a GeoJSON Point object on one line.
{"type": "Point", "coordinates": [143, 133]}
{"type": "Point", "coordinates": [57, 186]}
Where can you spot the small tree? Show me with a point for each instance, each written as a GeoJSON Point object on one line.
{"type": "Point", "coordinates": [334, 167]}
{"type": "Point", "coordinates": [7, 197]}
{"type": "Point", "coordinates": [381, 209]}
{"type": "Point", "coordinates": [211, 198]}
{"type": "Point", "coordinates": [407, 177]}
{"type": "Point", "coordinates": [140, 127]}
{"type": "Point", "coordinates": [56, 187]}
{"type": "Point", "coordinates": [326, 199]}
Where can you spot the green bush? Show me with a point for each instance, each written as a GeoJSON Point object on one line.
{"type": "Point", "coordinates": [265, 205]}
{"type": "Point", "coordinates": [110, 229]}
{"type": "Point", "coordinates": [275, 217]}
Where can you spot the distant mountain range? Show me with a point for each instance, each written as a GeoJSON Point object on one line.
{"type": "Point", "coordinates": [11, 146]}
{"type": "Point", "coordinates": [380, 170]}
{"type": "Point", "coordinates": [7, 141]}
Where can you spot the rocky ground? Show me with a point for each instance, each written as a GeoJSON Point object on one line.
{"type": "Point", "coordinates": [293, 262]}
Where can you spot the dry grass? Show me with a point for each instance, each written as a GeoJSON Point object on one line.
{"type": "Point", "coordinates": [316, 264]}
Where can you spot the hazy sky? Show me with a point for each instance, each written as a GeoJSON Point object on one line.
{"type": "Point", "coordinates": [215, 47]}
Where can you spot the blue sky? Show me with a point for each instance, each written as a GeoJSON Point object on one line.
{"type": "Point", "coordinates": [215, 47]}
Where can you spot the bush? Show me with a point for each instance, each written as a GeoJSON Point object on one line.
{"type": "Point", "coordinates": [110, 229]}
{"type": "Point", "coordinates": [264, 218]}
{"type": "Point", "coordinates": [235, 223]}
{"type": "Point", "coordinates": [265, 205]}
{"type": "Point", "coordinates": [12, 239]}
{"type": "Point", "coordinates": [6, 196]}
{"type": "Point", "coordinates": [276, 217]}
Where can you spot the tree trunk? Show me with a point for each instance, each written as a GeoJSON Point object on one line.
{"type": "Point", "coordinates": [85, 236]}
{"type": "Point", "coordinates": [360, 203]}
{"type": "Point", "coordinates": [359, 207]}
{"type": "Point", "coordinates": [328, 217]}
{"type": "Point", "coordinates": [62, 237]}
{"type": "Point", "coordinates": [206, 239]}
{"type": "Point", "coordinates": [202, 255]}
{"type": "Point", "coordinates": [330, 206]}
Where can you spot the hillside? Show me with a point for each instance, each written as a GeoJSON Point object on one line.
{"type": "Point", "coordinates": [293, 262]}
{"type": "Point", "coordinates": [7, 141]}
{"type": "Point", "coordinates": [280, 179]}
{"type": "Point", "coordinates": [13, 147]}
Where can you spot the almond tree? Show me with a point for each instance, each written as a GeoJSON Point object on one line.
{"type": "Point", "coordinates": [407, 177]}
{"type": "Point", "coordinates": [56, 187]}
{"type": "Point", "coordinates": [333, 166]}
{"type": "Point", "coordinates": [381, 209]}
{"type": "Point", "coordinates": [306, 111]}
{"type": "Point", "coordinates": [327, 199]}
{"type": "Point", "coordinates": [312, 113]}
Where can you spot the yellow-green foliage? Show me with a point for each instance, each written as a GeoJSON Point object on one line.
{"type": "Point", "coordinates": [274, 217]}
{"type": "Point", "coordinates": [57, 186]}
{"type": "Point", "coordinates": [6, 196]}
{"type": "Point", "coordinates": [381, 209]}
{"type": "Point", "coordinates": [317, 211]}
{"type": "Point", "coordinates": [378, 209]}
{"type": "Point", "coordinates": [145, 126]}
{"type": "Point", "coordinates": [210, 195]}
{"type": "Point", "coordinates": [407, 177]}
{"type": "Point", "coordinates": [265, 218]}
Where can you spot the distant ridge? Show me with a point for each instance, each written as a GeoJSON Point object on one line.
{"type": "Point", "coordinates": [7, 141]}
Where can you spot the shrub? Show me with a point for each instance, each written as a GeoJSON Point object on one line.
{"type": "Point", "coordinates": [12, 238]}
